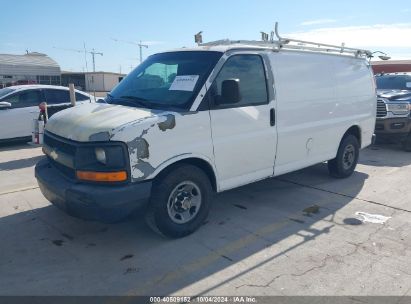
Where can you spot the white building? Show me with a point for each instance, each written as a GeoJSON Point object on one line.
{"type": "Point", "coordinates": [92, 81]}
{"type": "Point", "coordinates": [38, 68]}
{"type": "Point", "coordinates": [102, 81]}
{"type": "Point", "coordinates": [29, 68]}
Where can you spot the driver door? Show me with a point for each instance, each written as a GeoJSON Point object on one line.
{"type": "Point", "coordinates": [244, 133]}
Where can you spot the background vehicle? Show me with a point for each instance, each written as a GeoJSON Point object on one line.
{"type": "Point", "coordinates": [19, 105]}
{"type": "Point", "coordinates": [394, 108]}
{"type": "Point", "coordinates": [185, 124]}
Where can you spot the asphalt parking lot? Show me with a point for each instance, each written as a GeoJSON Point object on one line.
{"type": "Point", "coordinates": [299, 234]}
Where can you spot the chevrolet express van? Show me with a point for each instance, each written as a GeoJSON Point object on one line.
{"type": "Point", "coordinates": [189, 123]}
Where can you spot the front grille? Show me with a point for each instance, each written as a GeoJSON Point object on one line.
{"type": "Point", "coordinates": [59, 144]}
{"type": "Point", "coordinates": [69, 172]}
{"type": "Point", "coordinates": [381, 108]}
{"type": "Point", "coordinates": [379, 127]}
{"type": "Point", "coordinates": [55, 143]}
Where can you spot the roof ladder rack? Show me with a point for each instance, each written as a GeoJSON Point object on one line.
{"type": "Point", "coordinates": [321, 46]}
{"type": "Point", "coordinates": [293, 44]}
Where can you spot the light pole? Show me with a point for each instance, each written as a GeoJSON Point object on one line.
{"type": "Point", "coordinates": [93, 53]}
{"type": "Point", "coordinates": [140, 45]}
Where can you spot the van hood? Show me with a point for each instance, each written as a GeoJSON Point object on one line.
{"type": "Point", "coordinates": [95, 121]}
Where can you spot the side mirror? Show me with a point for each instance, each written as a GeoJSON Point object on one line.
{"type": "Point", "coordinates": [5, 105]}
{"type": "Point", "coordinates": [230, 91]}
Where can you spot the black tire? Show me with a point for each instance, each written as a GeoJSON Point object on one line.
{"type": "Point", "coordinates": [343, 165]}
{"type": "Point", "coordinates": [407, 143]}
{"type": "Point", "coordinates": [158, 215]}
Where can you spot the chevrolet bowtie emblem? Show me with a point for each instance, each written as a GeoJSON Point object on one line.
{"type": "Point", "coordinates": [53, 154]}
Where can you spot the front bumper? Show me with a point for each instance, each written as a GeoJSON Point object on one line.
{"type": "Point", "coordinates": [393, 128]}
{"type": "Point", "coordinates": [105, 203]}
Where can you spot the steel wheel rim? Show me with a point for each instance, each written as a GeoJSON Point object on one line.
{"type": "Point", "coordinates": [184, 202]}
{"type": "Point", "coordinates": [348, 157]}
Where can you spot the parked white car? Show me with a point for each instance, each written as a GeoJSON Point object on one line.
{"type": "Point", "coordinates": [187, 123]}
{"type": "Point", "coordinates": [19, 105]}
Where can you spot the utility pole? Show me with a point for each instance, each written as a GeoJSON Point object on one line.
{"type": "Point", "coordinates": [141, 50]}
{"type": "Point", "coordinates": [139, 44]}
{"type": "Point", "coordinates": [93, 53]}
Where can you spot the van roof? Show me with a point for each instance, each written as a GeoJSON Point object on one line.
{"type": "Point", "coordinates": [225, 45]}
{"type": "Point", "coordinates": [232, 46]}
{"type": "Point", "coordinates": [275, 42]}
{"type": "Point", "coordinates": [213, 48]}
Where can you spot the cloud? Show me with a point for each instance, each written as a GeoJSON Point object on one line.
{"type": "Point", "coordinates": [318, 21]}
{"type": "Point", "coordinates": [368, 36]}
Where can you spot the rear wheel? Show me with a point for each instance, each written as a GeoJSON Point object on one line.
{"type": "Point", "coordinates": [343, 165]}
{"type": "Point", "coordinates": [180, 202]}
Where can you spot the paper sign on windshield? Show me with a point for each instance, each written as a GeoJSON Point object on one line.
{"type": "Point", "coordinates": [408, 84]}
{"type": "Point", "coordinates": [184, 83]}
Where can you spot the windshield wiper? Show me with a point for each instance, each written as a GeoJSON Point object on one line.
{"type": "Point", "coordinates": [134, 98]}
{"type": "Point", "coordinates": [137, 100]}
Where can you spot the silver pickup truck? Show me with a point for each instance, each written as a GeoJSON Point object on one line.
{"type": "Point", "coordinates": [394, 108]}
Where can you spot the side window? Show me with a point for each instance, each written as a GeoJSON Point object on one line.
{"type": "Point", "coordinates": [249, 70]}
{"type": "Point", "coordinates": [54, 96]}
{"type": "Point", "coordinates": [81, 97]}
{"type": "Point", "coordinates": [29, 98]}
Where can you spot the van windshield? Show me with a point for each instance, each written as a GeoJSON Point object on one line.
{"type": "Point", "coordinates": [393, 82]}
{"type": "Point", "coordinates": [165, 81]}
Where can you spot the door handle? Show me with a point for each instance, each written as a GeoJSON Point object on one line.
{"type": "Point", "coordinates": [272, 117]}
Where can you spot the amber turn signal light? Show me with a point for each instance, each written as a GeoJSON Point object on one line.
{"type": "Point", "coordinates": [118, 176]}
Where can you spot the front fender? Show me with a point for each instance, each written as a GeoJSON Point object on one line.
{"type": "Point", "coordinates": [183, 157]}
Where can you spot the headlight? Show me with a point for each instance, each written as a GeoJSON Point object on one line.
{"type": "Point", "coordinates": [102, 162]}
{"type": "Point", "coordinates": [398, 108]}
{"type": "Point", "coordinates": [101, 155]}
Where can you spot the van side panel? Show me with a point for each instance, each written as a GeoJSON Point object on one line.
{"type": "Point", "coordinates": [356, 93]}
{"type": "Point", "coordinates": [312, 116]}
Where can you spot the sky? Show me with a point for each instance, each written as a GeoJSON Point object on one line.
{"type": "Point", "coordinates": [61, 29]}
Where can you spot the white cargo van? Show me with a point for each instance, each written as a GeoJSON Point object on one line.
{"type": "Point", "coordinates": [192, 122]}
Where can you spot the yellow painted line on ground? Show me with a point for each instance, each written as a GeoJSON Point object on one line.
{"type": "Point", "coordinates": [216, 254]}
{"type": "Point", "coordinates": [208, 259]}
{"type": "Point", "coordinates": [19, 190]}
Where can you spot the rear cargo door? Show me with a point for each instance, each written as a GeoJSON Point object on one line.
{"type": "Point", "coordinates": [244, 133]}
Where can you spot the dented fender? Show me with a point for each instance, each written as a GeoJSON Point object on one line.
{"type": "Point", "coordinates": [181, 157]}
{"type": "Point", "coordinates": [160, 140]}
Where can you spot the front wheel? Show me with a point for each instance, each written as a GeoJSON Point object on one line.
{"type": "Point", "coordinates": [180, 202]}
{"type": "Point", "coordinates": [343, 165]}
